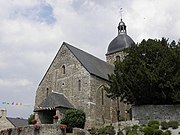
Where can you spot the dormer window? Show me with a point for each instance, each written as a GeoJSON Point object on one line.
{"type": "Point", "coordinates": [63, 69]}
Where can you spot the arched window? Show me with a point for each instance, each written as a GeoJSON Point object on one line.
{"type": "Point", "coordinates": [79, 85]}
{"type": "Point", "coordinates": [102, 96]}
{"type": "Point", "coordinates": [118, 58]}
{"type": "Point", "coordinates": [47, 92]}
{"type": "Point", "coordinates": [63, 69]}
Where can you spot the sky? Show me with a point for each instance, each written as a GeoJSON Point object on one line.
{"type": "Point", "coordinates": [32, 31]}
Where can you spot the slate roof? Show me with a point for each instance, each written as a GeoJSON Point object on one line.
{"type": "Point", "coordinates": [18, 122]}
{"type": "Point", "coordinates": [120, 42]}
{"type": "Point", "coordinates": [55, 100]}
{"type": "Point", "coordinates": [92, 64]}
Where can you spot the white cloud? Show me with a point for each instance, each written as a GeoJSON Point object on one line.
{"type": "Point", "coordinates": [14, 82]}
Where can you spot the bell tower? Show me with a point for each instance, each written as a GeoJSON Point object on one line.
{"type": "Point", "coordinates": [120, 42]}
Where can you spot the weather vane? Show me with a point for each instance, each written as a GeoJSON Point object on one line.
{"type": "Point", "coordinates": [121, 11]}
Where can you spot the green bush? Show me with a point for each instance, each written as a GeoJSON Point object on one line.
{"type": "Point", "coordinates": [164, 125]}
{"type": "Point", "coordinates": [133, 130]}
{"type": "Point", "coordinates": [152, 128]}
{"type": "Point", "coordinates": [173, 124]}
{"type": "Point", "coordinates": [153, 122]}
{"type": "Point", "coordinates": [110, 130]}
{"type": "Point", "coordinates": [93, 130]}
{"type": "Point", "coordinates": [151, 131]}
{"type": "Point", "coordinates": [148, 131]}
{"type": "Point", "coordinates": [103, 130]}
{"type": "Point", "coordinates": [74, 118]}
{"type": "Point", "coordinates": [169, 132]}
{"type": "Point", "coordinates": [158, 132]}
{"type": "Point", "coordinates": [166, 133]}
{"type": "Point", "coordinates": [31, 119]}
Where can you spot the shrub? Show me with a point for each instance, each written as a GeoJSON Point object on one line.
{"type": "Point", "coordinates": [152, 128]}
{"type": "Point", "coordinates": [166, 133]}
{"type": "Point", "coordinates": [74, 118]}
{"type": "Point", "coordinates": [110, 130]}
{"type": "Point", "coordinates": [153, 122]}
{"type": "Point", "coordinates": [31, 119]}
{"type": "Point", "coordinates": [164, 125]}
{"type": "Point", "coordinates": [158, 132]}
{"type": "Point", "coordinates": [103, 130]}
{"type": "Point", "coordinates": [173, 124]}
{"type": "Point", "coordinates": [133, 130]}
{"type": "Point", "coordinates": [148, 131]}
{"type": "Point", "coordinates": [93, 130]}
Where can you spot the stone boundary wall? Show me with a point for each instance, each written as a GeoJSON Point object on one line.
{"type": "Point", "coordinates": [146, 113]}
{"type": "Point", "coordinates": [44, 129]}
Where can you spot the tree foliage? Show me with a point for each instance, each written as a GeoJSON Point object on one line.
{"type": "Point", "coordinates": [74, 118]}
{"type": "Point", "coordinates": [149, 74]}
{"type": "Point", "coordinates": [31, 119]}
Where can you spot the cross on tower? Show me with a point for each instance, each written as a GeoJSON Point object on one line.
{"type": "Point", "coordinates": [121, 11]}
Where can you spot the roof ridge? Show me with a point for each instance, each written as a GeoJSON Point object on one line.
{"type": "Point", "coordinates": [67, 44]}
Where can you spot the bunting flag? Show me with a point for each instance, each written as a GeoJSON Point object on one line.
{"type": "Point", "coordinates": [12, 103]}
{"type": "Point", "coordinates": [16, 104]}
{"type": "Point", "coordinates": [44, 108]}
{"type": "Point", "coordinates": [26, 105]}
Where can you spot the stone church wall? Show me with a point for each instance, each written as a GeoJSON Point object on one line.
{"type": "Point", "coordinates": [102, 108]}
{"type": "Point", "coordinates": [146, 113]}
{"type": "Point", "coordinates": [74, 83]}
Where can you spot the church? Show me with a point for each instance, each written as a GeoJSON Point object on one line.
{"type": "Point", "coordinates": [76, 79]}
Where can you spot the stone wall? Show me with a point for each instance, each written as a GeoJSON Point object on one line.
{"type": "Point", "coordinates": [73, 82]}
{"type": "Point", "coordinates": [31, 130]}
{"type": "Point", "coordinates": [111, 58]}
{"type": "Point", "coordinates": [146, 113]}
{"type": "Point", "coordinates": [4, 123]}
{"type": "Point", "coordinates": [76, 84]}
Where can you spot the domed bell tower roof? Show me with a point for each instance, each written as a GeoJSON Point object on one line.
{"type": "Point", "coordinates": [121, 41]}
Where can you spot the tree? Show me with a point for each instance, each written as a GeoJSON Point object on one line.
{"type": "Point", "coordinates": [149, 74]}
{"type": "Point", "coordinates": [74, 118]}
{"type": "Point", "coordinates": [31, 119]}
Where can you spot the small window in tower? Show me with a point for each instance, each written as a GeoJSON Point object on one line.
{"type": "Point", "coordinates": [79, 85]}
{"type": "Point", "coordinates": [102, 92]}
{"type": "Point", "coordinates": [118, 58]}
{"type": "Point", "coordinates": [47, 92]}
{"type": "Point", "coordinates": [63, 69]}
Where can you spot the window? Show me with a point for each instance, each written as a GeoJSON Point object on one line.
{"type": "Point", "coordinates": [79, 85]}
{"type": "Point", "coordinates": [118, 58]}
{"type": "Point", "coordinates": [63, 69]}
{"type": "Point", "coordinates": [47, 92]}
{"type": "Point", "coordinates": [102, 96]}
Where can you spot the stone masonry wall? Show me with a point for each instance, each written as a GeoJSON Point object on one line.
{"type": "Point", "coordinates": [74, 82]}
{"type": "Point", "coordinates": [111, 58]}
{"type": "Point", "coordinates": [4, 123]}
{"type": "Point", "coordinates": [30, 130]}
{"type": "Point", "coordinates": [146, 113]}
{"type": "Point", "coordinates": [99, 103]}
{"type": "Point", "coordinates": [68, 82]}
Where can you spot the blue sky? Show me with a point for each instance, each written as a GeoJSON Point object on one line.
{"type": "Point", "coordinates": [32, 31]}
